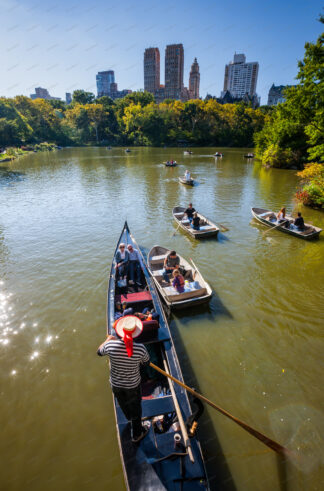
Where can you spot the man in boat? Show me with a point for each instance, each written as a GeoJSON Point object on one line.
{"type": "Point", "coordinates": [126, 359]}
{"type": "Point", "coordinates": [122, 258]}
{"type": "Point", "coordinates": [134, 265]}
{"type": "Point", "coordinates": [171, 262]}
{"type": "Point", "coordinates": [187, 175]}
{"type": "Point", "coordinates": [189, 212]}
{"type": "Point", "coordinates": [299, 222]}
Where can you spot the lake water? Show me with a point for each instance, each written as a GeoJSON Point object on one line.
{"type": "Point", "coordinates": [256, 350]}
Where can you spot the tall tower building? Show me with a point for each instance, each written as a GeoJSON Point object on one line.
{"type": "Point", "coordinates": [174, 59]}
{"type": "Point", "coordinates": [152, 69]}
{"type": "Point", "coordinates": [104, 81]}
{"type": "Point", "coordinates": [241, 77]}
{"type": "Point", "coordinates": [194, 80]}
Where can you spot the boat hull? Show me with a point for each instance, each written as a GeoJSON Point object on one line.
{"type": "Point", "coordinates": [177, 214]}
{"type": "Point", "coordinates": [187, 183]}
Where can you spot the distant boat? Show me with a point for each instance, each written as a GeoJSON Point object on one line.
{"type": "Point", "coordinates": [264, 216]}
{"type": "Point", "coordinates": [187, 152]}
{"type": "Point", "coordinates": [127, 150]}
{"type": "Point", "coordinates": [108, 148]}
{"type": "Point", "coordinates": [249, 155]}
{"type": "Point", "coordinates": [188, 182]}
{"type": "Point", "coordinates": [173, 163]}
{"type": "Point", "coordinates": [218, 154]}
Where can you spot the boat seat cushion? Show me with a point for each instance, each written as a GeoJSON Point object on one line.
{"type": "Point", "coordinates": [174, 296]}
{"type": "Point", "coordinates": [185, 221]}
{"type": "Point", "coordinates": [158, 259]}
{"type": "Point", "coordinates": [134, 297]}
{"type": "Point", "coordinates": [158, 272]}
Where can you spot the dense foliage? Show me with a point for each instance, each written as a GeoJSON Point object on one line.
{"type": "Point", "coordinates": [312, 193]}
{"type": "Point", "coordinates": [133, 120]}
{"type": "Point", "coordinates": [294, 132]}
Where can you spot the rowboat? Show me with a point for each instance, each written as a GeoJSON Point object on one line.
{"type": "Point", "coordinates": [189, 182]}
{"type": "Point", "coordinates": [187, 152]}
{"type": "Point", "coordinates": [169, 164]}
{"type": "Point", "coordinates": [158, 462]}
{"type": "Point", "coordinates": [265, 217]}
{"type": "Point", "coordinates": [218, 154]}
{"type": "Point", "coordinates": [127, 150]}
{"type": "Point", "coordinates": [197, 290]}
{"type": "Point", "coordinates": [207, 227]}
{"type": "Point", "coordinates": [249, 156]}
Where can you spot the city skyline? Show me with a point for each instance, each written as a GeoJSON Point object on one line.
{"type": "Point", "coordinates": [61, 47]}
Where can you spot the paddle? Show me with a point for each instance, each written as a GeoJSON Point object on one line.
{"type": "Point", "coordinates": [273, 228]}
{"type": "Point", "coordinates": [196, 270]}
{"type": "Point", "coordinates": [263, 438]}
{"type": "Point", "coordinates": [225, 229]}
{"type": "Point", "coordinates": [176, 229]}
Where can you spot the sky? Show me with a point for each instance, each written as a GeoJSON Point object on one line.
{"type": "Point", "coordinates": [61, 45]}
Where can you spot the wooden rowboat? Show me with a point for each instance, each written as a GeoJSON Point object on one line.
{"type": "Point", "coordinates": [264, 216]}
{"type": "Point", "coordinates": [169, 164]}
{"type": "Point", "coordinates": [187, 182]}
{"type": "Point", "coordinates": [207, 227]}
{"type": "Point", "coordinates": [198, 289]}
{"type": "Point", "coordinates": [156, 462]}
{"type": "Point", "coordinates": [187, 152]}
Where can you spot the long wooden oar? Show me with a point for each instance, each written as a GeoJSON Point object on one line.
{"type": "Point", "coordinates": [263, 438]}
{"type": "Point", "coordinates": [176, 229]}
{"type": "Point", "coordinates": [225, 229]}
{"type": "Point", "coordinates": [273, 228]}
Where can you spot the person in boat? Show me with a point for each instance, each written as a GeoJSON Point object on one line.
{"type": "Point", "coordinates": [147, 314]}
{"type": "Point", "coordinates": [122, 259]}
{"type": "Point", "coordinates": [281, 217]}
{"type": "Point", "coordinates": [189, 212]}
{"type": "Point", "coordinates": [122, 309]}
{"type": "Point", "coordinates": [171, 262]}
{"type": "Point", "coordinates": [126, 359]}
{"type": "Point", "coordinates": [195, 221]}
{"type": "Point", "coordinates": [178, 281]}
{"type": "Point", "coordinates": [134, 265]}
{"type": "Point", "coordinates": [299, 222]}
{"type": "Point", "coordinates": [187, 175]}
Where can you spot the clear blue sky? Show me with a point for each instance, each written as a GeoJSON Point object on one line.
{"type": "Point", "coordinates": [61, 45]}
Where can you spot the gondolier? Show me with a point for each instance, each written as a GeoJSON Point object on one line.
{"type": "Point", "coordinates": [126, 358]}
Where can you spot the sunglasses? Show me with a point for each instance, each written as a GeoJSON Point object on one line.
{"type": "Point", "coordinates": [122, 247]}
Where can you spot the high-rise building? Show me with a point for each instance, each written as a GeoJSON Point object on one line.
{"type": "Point", "coordinates": [194, 80]}
{"type": "Point", "coordinates": [241, 77]}
{"type": "Point", "coordinates": [41, 93]}
{"type": "Point", "coordinates": [152, 70]}
{"type": "Point", "coordinates": [68, 97]}
{"type": "Point", "coordinates": [276, 94]}
{"type": "Point", "coordinates": [174, 59]}
{"type": "Point", "coordinates": [104, 81]}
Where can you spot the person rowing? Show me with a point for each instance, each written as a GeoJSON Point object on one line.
{"type": "Point", "coordinates": [299, 222]}
{"type": "Point", "coordinates": [187, 175]}
{"type": "Point", "coordinates": [126, 358]}
{"type": "Point", "coordinates": [189, 212]}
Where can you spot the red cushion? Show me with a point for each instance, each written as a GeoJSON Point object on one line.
{"type": "Point", "coordinates": [134, 297]}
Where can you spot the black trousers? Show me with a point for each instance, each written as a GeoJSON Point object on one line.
{"type": "Point", "coordinates": [130, 401]}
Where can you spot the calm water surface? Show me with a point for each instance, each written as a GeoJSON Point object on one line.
{"type": "Point", "coordinates": [257, 350]}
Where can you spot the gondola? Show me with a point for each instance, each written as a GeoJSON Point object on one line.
{"type": "Point", "coordinates": [207, 227]}
{"type": "Point", "coordinates": [158, 462]}
{"type": "Point", "coordinates": [188, 182]}
{"type": "Point", "coordinates": [197, 290]}
{"type": "Point", "coordinates": [266, 217]}
{"type": "Point", "coordinates": [170, 164]}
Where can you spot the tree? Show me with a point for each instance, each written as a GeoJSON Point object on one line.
{"type": "Point", "coordinates": [82, 97]}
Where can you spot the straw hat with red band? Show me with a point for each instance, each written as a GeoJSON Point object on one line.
{"type": "Point", "coordinates": [128, 328]}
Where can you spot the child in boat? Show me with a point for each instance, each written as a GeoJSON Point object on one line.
{"type": "Point", "coordinates": [195, 221]}
{"type": "Point", "coordinates": [178, 281]}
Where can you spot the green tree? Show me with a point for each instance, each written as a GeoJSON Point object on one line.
{"type": "Point", "coordinates": [82, 97]}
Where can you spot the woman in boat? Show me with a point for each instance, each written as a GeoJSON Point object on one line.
{"type": "Point", "coordinates": [122, 258]}
{"type": "Point", "coordinates": [121, 309]}
{"type": "Point", "coordinates": [178, 281]}
{"type": "Point", "coordinates": [195, 221]}
{"type": "Point", "coordinates": [281, 217]}
{"type": "Point", "coordinates": [126, 360]}
{"type": "Point", "coordinates": [187, 175]}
